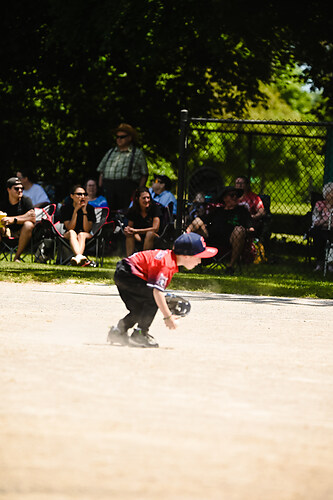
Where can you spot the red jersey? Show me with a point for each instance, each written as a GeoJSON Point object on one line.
{"type": "Point", "coordinates": [154, 266]}
{"type": "Point", "coordinates": [253, 201]}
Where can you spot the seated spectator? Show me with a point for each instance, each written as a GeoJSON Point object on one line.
{"type": "Point", "coordinates": [20, 217]}
{"type": "Point", "coordinates": [160, 192]}
{"type": "Point", "coordinates": [93, 199]}
{"type": "Point", "coordinates": [78, 218]}
{"type": "Point", "coordinates": [226, 226]}
{"type": "Point", "coordinates": [322, 214]}
{"type": "Point", "coordinates": [143, 221]}
{"type": "Point", "coordinates": [251, 200]}
{"type": "Point", "coordinates": [34, 191]}
{"type": "Point", "coordinates": [198, 208]}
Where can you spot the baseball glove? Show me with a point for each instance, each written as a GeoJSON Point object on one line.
{"type": "Point", "coordinates": [177, 305]}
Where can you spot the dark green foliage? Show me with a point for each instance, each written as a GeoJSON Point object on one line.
{"type": "Point", "coordinates": [72, 70]}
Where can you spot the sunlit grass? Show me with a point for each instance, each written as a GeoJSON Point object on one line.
{"type": "Point", "coordinates": [289, 208]}
{"type": "Point", "coordinates": [287, 278]}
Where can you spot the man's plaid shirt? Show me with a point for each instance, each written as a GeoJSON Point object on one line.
{"type": "Point", "coordinates": [115, 164]}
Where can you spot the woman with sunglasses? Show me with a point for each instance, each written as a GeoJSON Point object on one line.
{"type": "Point", "coordinates": [78, 218]}
{"type": "Point", "coordinates": [20, 217]}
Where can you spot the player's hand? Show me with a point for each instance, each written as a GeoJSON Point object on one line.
{"type": "Point", "coordinates": [171, 323]}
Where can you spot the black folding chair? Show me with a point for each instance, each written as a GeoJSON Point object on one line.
{"type": "Point", "coordinates": [329, 244]}
{"type": "Point", "coordinates": [42, 241]}
{"type": "Point", "coordinates": [308, 236]}
{"type": "Point", "coordinates": [8, 247]}
{"type": "Point", "coordinates": [167, 231]}
{"type": "Point", "coordinates": [9, 244]}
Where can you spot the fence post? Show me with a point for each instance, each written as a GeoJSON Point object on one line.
{"type": "Point", "coordinates": [250, 156]}
{"type": "Point", "coordinates": [181, 170]}
{"type": "Point", "coordinates": [328, 171]}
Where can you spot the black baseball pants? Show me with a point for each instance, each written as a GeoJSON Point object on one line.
{"type": "Point", "coordinates": [137, 297]}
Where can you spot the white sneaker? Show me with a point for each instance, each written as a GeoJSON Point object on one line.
{"type": "Point", "coordinates": [74, 261]}
{"type": "Point", "coordinates": [81, 259]}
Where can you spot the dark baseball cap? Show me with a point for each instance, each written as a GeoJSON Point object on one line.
{"type": "Point", "coordinates": [193, 244]}
{"type": "Point", "coordinates": [13, 181]}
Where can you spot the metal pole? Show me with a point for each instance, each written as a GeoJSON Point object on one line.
{"type": "Point", "coordinates": [250, 157]}
{"type": "Point", "coordinates": [181, 170]}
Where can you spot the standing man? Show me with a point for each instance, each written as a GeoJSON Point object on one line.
{"type": "Point", "coordinates": [160, 192]}
{"type": "Point", "coordinates": [34, 191]}
{"type": "Point", "coordinates": [123, 169]}
{"type": "Point", "coordinates": [20, 215]}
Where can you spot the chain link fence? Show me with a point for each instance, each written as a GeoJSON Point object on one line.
{"type": "Point", "coordinates": [288, 161]}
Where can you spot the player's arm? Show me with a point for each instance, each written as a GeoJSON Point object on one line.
{"type": "Point", "coordinates": [169, 319]}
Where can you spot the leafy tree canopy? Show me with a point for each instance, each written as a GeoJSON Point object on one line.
{"type": "Point", "coordinates": [72, 70]}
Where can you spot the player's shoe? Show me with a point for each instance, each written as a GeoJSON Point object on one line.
{"type": "Point", "coordinates": [141, 339]}
{"type": "Point", "coordinates": [117, 336]}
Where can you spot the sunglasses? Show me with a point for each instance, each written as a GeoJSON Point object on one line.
{"type": "Point", "coordinates": [81, 194]}
{"type": "Point", "coordinates": [121, 136]}
{"type": "Point", "coordinates": [18, 188]}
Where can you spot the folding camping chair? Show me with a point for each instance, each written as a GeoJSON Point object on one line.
{"type": "Point", "coordinates": [222, 258]}
{"type": "Point", "coordinates": [329, 244]}
{"type": "Point", "coordinates": [265, 229]}
{"type": "Point", "coordinates": [167, 231]}
{"type": "Point", "coordinates": [42, 241]}
{"type": "Point", "coordinates": [308, 236]}
{"type": "Point", "coordinates": [94, 246]}
{"type": "Point", "coordinates": [8, 247]}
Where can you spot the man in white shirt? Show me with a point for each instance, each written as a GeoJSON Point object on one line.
{"type": "Point", "coordinates": [34, 191]}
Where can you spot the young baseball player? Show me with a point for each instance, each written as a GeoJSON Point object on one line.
{"type": "Point", "coordinates": [141, 280]}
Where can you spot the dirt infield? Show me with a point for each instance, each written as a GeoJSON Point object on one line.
{"type": "Point", "coordinates": [237, 404]}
